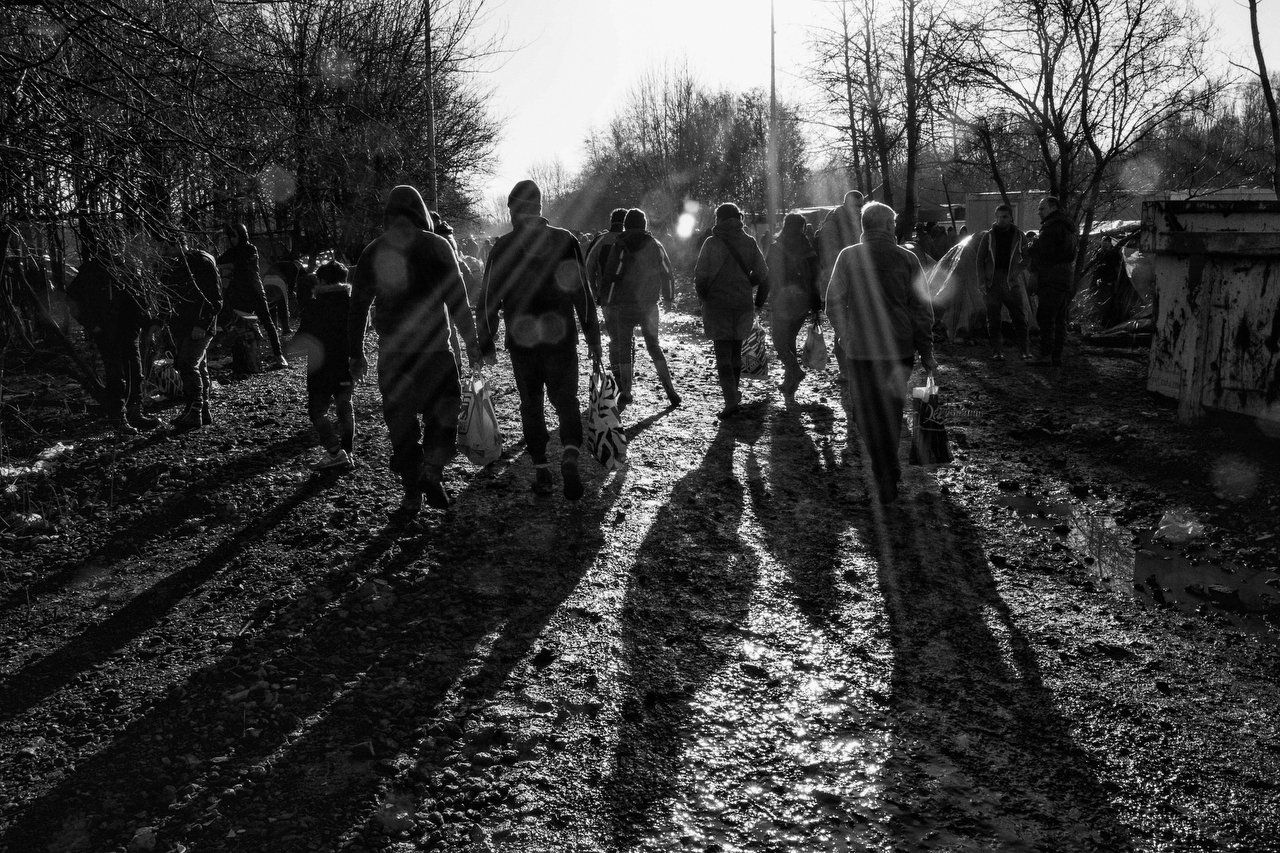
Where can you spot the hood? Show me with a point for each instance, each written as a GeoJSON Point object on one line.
{"type": "Point", "coordinates": [726, 227]}
{"type": "Point", "coordinates": [407, 201]}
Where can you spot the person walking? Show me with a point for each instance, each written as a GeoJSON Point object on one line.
{"type": "Point", "coordinates": [794, 294]}
{"type": "Point", "coordinates": [1052, 261]}
{"type": "Point", "coordinates": [637, 274]}
{"type": "Point", "coordinates": [1001, 269]}
{"type": "Point", "coordinates": [598, 250]}
{"type": "Point", "coordinates": [728, 271]}
{"type": "Point", "coordinates": [411, 275]}
{"type": "Point", "coordinates": [536, 279]}
{"type": "Point", "coordinates": [882, 318]}
{"type": "Point", "coordinates": [196, 293]}
{"type": "Point", "coordinates": [841, 228]}
{"type": "Point", "coordinates": [106, 298]}
{"type": "Point", "coordinates": [245, 292]}
{"type": "Point", "coordinates": [322, 334]}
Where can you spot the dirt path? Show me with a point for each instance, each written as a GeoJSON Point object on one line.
{"type": "Point", "coordinates": [723, 647]}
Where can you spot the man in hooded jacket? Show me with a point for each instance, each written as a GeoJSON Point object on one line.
{"type": "Point", "coordinates": [535, 278]}
{"type": "Point", "coordinates": [246, 293]}
{"type": "Point", "coordinates": [412, 275]}
{"type": "Point", "coordinates": [637, 273]}
{"type": "Point", "coordinates": [1052, 261]}
{"type": "Point", "coordinates": [598, 250]}
{"type": "Point", "coordinates": [729, 270]}
{"type": "Point", "coordinates": [1001, 268]}
{"type": "Point", "coordinates": [191, 282]}
{"type": "Point", "coordinates": [794, 294]}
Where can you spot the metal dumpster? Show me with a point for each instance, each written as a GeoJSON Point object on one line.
{"type": "Point", "coordinates": [1217, 281]}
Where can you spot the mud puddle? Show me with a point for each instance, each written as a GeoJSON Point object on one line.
{"type": "Point", "coordinates": [1139, 564]}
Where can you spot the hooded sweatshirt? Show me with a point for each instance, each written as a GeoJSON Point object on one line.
{"type": "Point", "coordinates": [191, 282]}
{"type": "Point", "coordinates": [1052, 256]}
{"type": "Point", "coordinates": [245, 293]}
{"type": "Point", "coordinates": [417, 287]}
{"type": "Point", "coordinates": [637, 272]}
{"type": "Point", "coordinates": [793, 263]}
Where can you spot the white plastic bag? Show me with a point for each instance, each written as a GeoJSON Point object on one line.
{"type": "Point", "coordinates": [755, 353]}
{"type": "Point", "coordinates": [478, 429]}
{"type": "Point", "coordinates": [605, 437]}
{"type": "Point", "coordinates": [814, 354]}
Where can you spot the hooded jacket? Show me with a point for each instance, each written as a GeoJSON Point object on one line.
{"type": "Point", "coordinates": [793, 268]}
{"type": "Point", "coordinates": [598, 255]}
{"type": "Point", "coordinates": [724, 286]}
{"type": "Point", "coordinates": [877, 303]}
{"type": "Point", "coordinates": [637, 272]}
{"type": "Point", "coordinates": [417, 287]}
{"type": "Point", "coordinates": [840, 229]}
{"type": "Point", "coordinates": [535, 277]}
{"type": "Point", "coordinates": [1053, 254]}
{"type": "Point", "coordinates": [245, 292]}
{"type": "Point", "coordinates": [192, 284]}
{"type": "Point", "coordinates": [987, 261]}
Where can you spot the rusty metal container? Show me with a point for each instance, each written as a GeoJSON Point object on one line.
{"type": "Point", "coordinates": [1217, 280]}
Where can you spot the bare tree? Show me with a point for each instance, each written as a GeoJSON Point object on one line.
{"type": "Point", "coordinates": [1268, 93]}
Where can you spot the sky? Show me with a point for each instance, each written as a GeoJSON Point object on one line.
{"type": "Point", "coordinates": [571, 62]}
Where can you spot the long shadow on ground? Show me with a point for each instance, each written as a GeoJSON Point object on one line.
{"type": "Point", "coordinates": [689, 593]}
{"type": "Point", "coordinates": [981, 754]}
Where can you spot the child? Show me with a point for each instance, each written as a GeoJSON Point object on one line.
{"type": "Point", "coordinates": [323, 336]}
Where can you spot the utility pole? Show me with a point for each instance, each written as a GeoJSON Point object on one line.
{"type": "Point", "coordinates": [772, 182]}
{"type": "Point", "coordinates": [432, 184]}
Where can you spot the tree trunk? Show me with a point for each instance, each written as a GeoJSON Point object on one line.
{"type": "Point", "coordinates": [1269, 94]}
{"type": "Point", "coordinates": [906, 224]}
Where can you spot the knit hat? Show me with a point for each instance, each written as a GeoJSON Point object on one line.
{"type": "Point", "coordinates": [728, 210]}
{"type": "Point", "coordinates": [525, 198]}
{"type": "Point", "coordinates": [618, 216]}
{"type": "Point", "coordinates": [332, 272]}
{"type": "Point", "coordinates": [407, 201]}
{"type": "Point", "coordinates": [635, 220]}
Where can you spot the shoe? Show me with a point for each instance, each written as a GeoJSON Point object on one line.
{"type": "Point", "coordinates": [729, 411]}
{"type": "Point", "coordinates": [332, 459]}
{"type": "Point", "coordinates": [137, 419]}
{"type": "Point", "coordinates": [189, 419]}
{"type": "Point", "coordinates": [572, 480]}
{"type": "Point", "coordinates": [543, 482]}
{"type": "Point", "coordinates": [410, 504]}
{"type": "Point", "coordinates": [205, 417]}
{"type": "Point", "coordinates": [278, 363]}
{"type": "Point", "coordinates": [123, 428]}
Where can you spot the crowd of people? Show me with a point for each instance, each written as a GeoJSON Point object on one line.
{"type": "Point", "coordinates": [549, 290]}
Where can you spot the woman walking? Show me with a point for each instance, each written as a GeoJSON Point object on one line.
{"type": "Point", "coordinates": [793, 285]}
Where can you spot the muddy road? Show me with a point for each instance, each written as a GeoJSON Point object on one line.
{"type": "Point", "coordinates": [1065, 640]}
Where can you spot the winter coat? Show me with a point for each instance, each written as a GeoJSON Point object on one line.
{"type": "Point", "coordinates": [1053, 254]}
{"type": "Point", "coordinates": [102, 295]}
{"type": "Point", "coordinates": [638, 272]}
{"type": "Point", "coordinates": [793, 274]}
{"type": "Point", "coordinates": [725, 287]}
{"type": "Point", "coordinates": [245, 292]}
{"type": "Point", "coordinates": [325, 309]}
{"type": "Point", "coordinates": [417, 288]}
{"type": "Point", "coordinates": [878, 304]}
{"type": "Point", "coordinates": [195, 291]}
{"type": "Point", "coordinates": [840, 229]}
{"type": "Point", "coordinates": [535, 277]}
{"type": "Point", "coordinates": [987, 261]}
{"type": "Point", "coordinates": [598, 255]}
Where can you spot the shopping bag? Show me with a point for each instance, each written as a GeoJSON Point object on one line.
{"type": "Point", "coordinates": [605, 437]}
{"type": "Point", "coordinates": [929, 445]}
{"type": "Point", "coordinates": [814, 353]}
{"type": "Point", "coordinates": [755, 353]}
{"type": "Point", "coordinates": [163, 378]}
{"type": "Point", "coordinates": [481, 438]}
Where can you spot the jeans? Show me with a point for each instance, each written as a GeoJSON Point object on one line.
{"type": "Point", "coordinates": [620, 322]}
{"type": "Point", "coordinates": [877, 390]}
{"type": "Point", "coordinates": [553, 370]}
{"type": "Point", "coordinates": [790, 308]}
{"type": "Point", "coordinates": [1004, 295]}
{"type": "Point", "coordinates": [192, 363]}
{"type": "Point", "coordinates": [1052, 319]}
{"type": "Point", "coordinates": [420, 385]}
{"type": "Point", "coordinates": [121, 366]}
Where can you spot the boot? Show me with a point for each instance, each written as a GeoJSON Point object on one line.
{"type": "Point", "coordinates": [134, 416]}
{"type": "Point", "coordinates": [790, 382]}
{"type": "Point", "coordinates": [543, 482]}
{"type": "Point", "coordinates": [205, 417]}
{"type": "Point", "coordinates": [729, 389]}
{"type": "Point", "coordinates": [189, 419]}
{"type": "Point", "coordinates": [123, 428]}
{"type": "Point", "coordinates": [431, 482]}
{"type": "Point", "coordinates": [664, 376]}
{"type": "Point", "coordinates": [625, 378]}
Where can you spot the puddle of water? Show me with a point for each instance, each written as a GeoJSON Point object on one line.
{"type": "Point", "coordinates": [1140, 566]}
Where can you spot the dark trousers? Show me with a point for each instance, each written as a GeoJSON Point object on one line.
{"type": "Point", "coordinates": [1052, 319]}
{"type": "Point", "coordinates": [1004, 295]}
{"type": "Point", "coordinates": [192, 363]}
{"type": "Point", "coordinates": [419, 385]}
{"type": "Point", "coordinates": [877, 391]}
{"type": "Point", "coordinates": [262, 310]}
{"type": "Point", "coordinates": [790, 309]}
{"type": "Point", "coordinates": [121, 366]}
{"type": "Point", "coordinates": [551, 372]}
{"type": "Point", "coordinates": [621, 321]}
{"type": "Point", "coordinates": [324, 390]}
{"type": "Point", "coordinates": [728, 368]}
